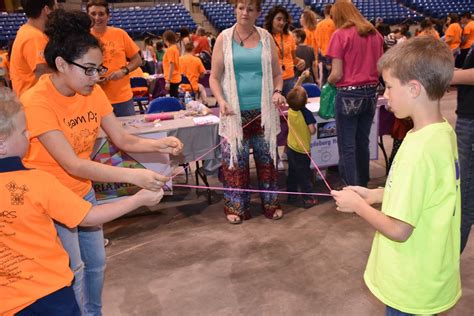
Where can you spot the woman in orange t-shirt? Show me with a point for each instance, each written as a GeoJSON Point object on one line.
{"type": "Point", "coordinates": [64, 112]}
{"type": "Point", "coordinates": [277, 23]}
{"type": "Point", "coordinates": [308, 21]}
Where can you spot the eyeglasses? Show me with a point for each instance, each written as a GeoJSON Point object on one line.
{"type": "Point", "coordinates": [91, 71]}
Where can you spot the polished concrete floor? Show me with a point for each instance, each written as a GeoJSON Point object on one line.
{"type": "Point", "coordinates": [185, 259]}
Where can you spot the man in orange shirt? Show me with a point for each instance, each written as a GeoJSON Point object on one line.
{"type": "Point", "coordinates": [467, 37]}
{"type": "Point", "coordinates": [171, 64]}
{"type": "Point", "coordinates": [192, 67]}
{"type": "Point", "coordinates": [27, 62]}
{"type": "Point", "coordinates": [324, 31]}
{"type": "Point", "coordinates": [453, 35]}
{"type": "Point", "coordinates": [117, 47]}
{"type": "Point", "coordinates": [35, 278]}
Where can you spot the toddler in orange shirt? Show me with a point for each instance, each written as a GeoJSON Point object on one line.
{"type": "Point", "coordinates": [35, 277]}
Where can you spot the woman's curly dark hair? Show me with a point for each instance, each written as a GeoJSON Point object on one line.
{"type": "Point", "coordinates": [268, 24]}
{"type": "Point", "coordinates": [69, 36]}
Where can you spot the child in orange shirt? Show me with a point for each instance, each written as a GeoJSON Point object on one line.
{"type": "Point", "coordinates": [171, 64]}
{"type": "Point", "coordinates": [192, 67]}
{"type": "Point", "coordinates": [35, 277]}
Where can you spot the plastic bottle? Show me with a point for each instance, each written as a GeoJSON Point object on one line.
{"type": "Point", "coordinates": [187, 98]}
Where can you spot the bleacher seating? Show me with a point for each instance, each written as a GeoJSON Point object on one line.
{"type": "Point", "coordinates": [438, 8]}
{"type": "Point", "coordinates": [9, 25]}
{"type": "Point", "coordinates": [137, 21]}
{"type": "Point", "coordinates": [391, 11]}
{"type": "Point", "coordinates": [221, 14]}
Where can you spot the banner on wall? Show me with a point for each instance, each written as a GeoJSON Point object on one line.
{"type": "Point", "coordinates": [107, 153]}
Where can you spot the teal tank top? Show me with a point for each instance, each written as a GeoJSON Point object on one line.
{"type": "Point", "coordinates": [248, 75]}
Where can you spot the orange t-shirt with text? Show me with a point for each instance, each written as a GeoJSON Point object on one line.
{"type": "Point", "coordinates": [33, 262]}
{"type": "Point", "coordinates": [77, 117]}
{"type": "Point", "coordinates": [311, 40]}
{"type": "Point", "coordinates": [171, 56]}
{"type": "Point", "coordinates": [286, 48]}
{"type": "Point", "coordinates": [192, 67]}
{"type": "Point", "coordinates": [468, 33]}
{"type": "Point", "coordinates": [324, 31]}
{"type": "Point", "coordinates": [27, 54]}
{"type": "Point", "coordinates": [455, 31]}
{"type": "Point", "coordinates": [117, 46]}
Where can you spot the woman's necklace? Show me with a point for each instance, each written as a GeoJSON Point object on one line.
{"type": "Point", "coordinates": [243, 40]}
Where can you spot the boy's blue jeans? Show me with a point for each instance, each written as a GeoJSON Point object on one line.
{"type": "Point", "coordinates": [355, 110]}
{"type": "Point", "coordinates": [390, 311]}
{"type": "Point", "coordinates": [299, 173]}
{"type": "Point", "coordinates": [465, 135]}
{"type": "Point", "coordinates": [85, 247]}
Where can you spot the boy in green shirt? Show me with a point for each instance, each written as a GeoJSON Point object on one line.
{"type": "Point", "coordinates": [413, 266]}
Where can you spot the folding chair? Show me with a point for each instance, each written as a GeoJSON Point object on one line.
{"type": "Point", "coordinates": [312, 90]}
{"type": "Point", "coordinates": [141, 95]}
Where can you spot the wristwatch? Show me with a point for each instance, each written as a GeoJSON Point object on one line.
{"type": "Point", "coordinates": [125, 70]}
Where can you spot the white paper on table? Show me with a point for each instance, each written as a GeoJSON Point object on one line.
{"type": "Point", "coordinates": [208, 119]}
{"type": "Point", "coordinates": [313, 107]}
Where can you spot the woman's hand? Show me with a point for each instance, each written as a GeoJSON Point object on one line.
{"type": "Point", "coordinates": [225, 109]}
{"type": "Point", "coordinates": [167, 86]}
{"type": "Point", "coordinates": [300, 64]}
{"type": "Point", "coordinates": [148, 179]}
{"type": "Point", "coordinates": [170, 145]}
{"type": "Point", "coordinates": [149, 198]}
{"type": "Point", "coordinates": [278, 99]}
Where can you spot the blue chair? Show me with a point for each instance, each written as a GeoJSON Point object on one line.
{"type": "Point", "coordinates": [165, 104]}
{"type": "Point", "coordinates": [312, 90]}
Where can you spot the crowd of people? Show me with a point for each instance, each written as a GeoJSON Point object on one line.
{"type": "Point", "coordinates": [70, 73]}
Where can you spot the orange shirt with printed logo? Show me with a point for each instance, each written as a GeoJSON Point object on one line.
{"type": "Point", "coordinates": [172, 56]}
{"type": "Point", "coordinates": [455, 32]}
{"type": "Point", "coordinates": [286, 48]}
{"type": "Point", "coordinates": [78, 117]}
{"type": "Point", "coordinates": [192, 67]}
{"type": "Point", "coordinates": [117, 47]}
{"type": "Point", "coordinates": [468, 33]}
{"type": "Point", "coordinates": [324, 31]}
{"type": "Point", "coordinates": [33, 261]}
{"type": "Point", "coordinates": [27, 54]}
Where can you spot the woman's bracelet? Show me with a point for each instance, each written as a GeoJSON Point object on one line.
{"type": "Point", "coordinates": [277, 91]}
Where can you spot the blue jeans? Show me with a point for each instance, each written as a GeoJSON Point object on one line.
{"type": "Point", "coordinates": [85, 247]}
{"type": "Point", "coordinates": [288, 84]}
{"type": "Point", "coordinates": [59, 303]}
{"type": "Point", "coordinates": [355, 110]}
{"type": "Point", "coordinates": [465, 134]}
{"type": "Point", "coordinates": [124, 108]}
{"type": "Point", "coordinates": [390, 311]}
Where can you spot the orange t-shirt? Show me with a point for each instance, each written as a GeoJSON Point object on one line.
{"type": "Point", "coordinates": [171, 56]}
{"type": "Point", "coordinates": [33, 262]}
{"type": "Point", "coordinates": [27, 54]}
{"type": "Point", "coordinates": [78, 117]}
{"type": "Point", "coordinates": [469, 34]}
{"type": "Point", "coordinates": [192, 67]}
{"type": "Point", "coordinates": [311, 40]}
{"type": "Point", "coordinates": [324, 31]}
{"type": "Point", "coordinates": [286, 48]}
{"type": "Point", "coordinates": [455, 31]}
{"type": "Point", "coordinates": [117, 47]}
{"type": "Point", "coordinates": [431, 32]}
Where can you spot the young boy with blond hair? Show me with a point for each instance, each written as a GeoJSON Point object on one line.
{"type": "Point", "coordinates": [413, 267]}
{"type": "Point", "coordinates": [35, 277]}
{"type": "Point", "coordinates": [300, 128]}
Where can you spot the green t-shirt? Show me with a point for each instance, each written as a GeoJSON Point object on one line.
{"type": "Point", "coordinates": [421, 275]}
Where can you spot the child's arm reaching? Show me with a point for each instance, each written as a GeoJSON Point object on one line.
{"type": "Point", "coordinates": [305, 74]}
{"type": "Point", "coordinates": [312, 129]}
{"type": "Point", "coordinates": [349, 201]}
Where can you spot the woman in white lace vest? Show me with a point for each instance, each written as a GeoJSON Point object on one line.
{"type": "Point", "coordinates": [246, 81]}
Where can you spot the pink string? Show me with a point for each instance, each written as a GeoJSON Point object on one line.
{"type": "Point", "coordinates": [290, 129]}
{"type": "Point", "coordinates": [247, 190]}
